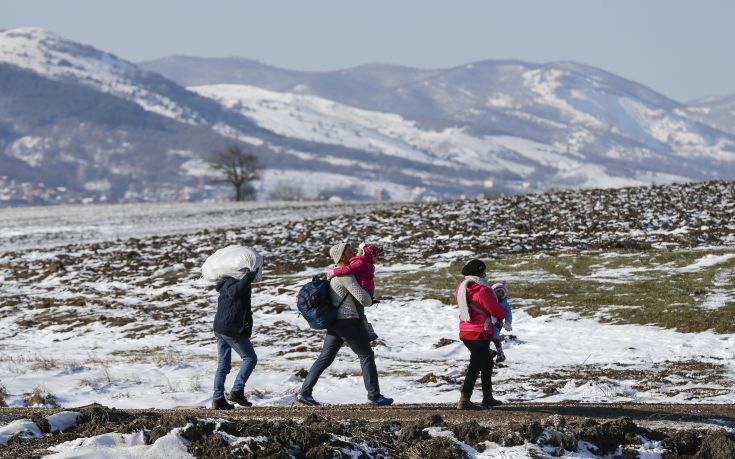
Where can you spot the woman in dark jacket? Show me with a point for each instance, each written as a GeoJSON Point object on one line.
{"type": "Point", "coordinates": [233, 326]}
{"type": "Point", "coordinates": [477, 308]}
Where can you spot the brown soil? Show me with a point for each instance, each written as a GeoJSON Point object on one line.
{"type": "Point", "coordinates": [398, 431]}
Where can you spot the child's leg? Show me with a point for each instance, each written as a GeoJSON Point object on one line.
{"type": "Point", "coordinates": [223, 367]}
{"type": "Point", "coordinates": [361, 311]}
{"type": "Point", "coordinates": [496, 338]}
{"type": "Point", "coordinates": [368, 326]}
{"type": "Point", "coordinates": [499, 348]}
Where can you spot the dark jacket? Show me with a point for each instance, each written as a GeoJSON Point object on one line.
{"type": "Point", "coordinates": [234, 317]}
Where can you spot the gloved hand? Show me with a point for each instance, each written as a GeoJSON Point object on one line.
{"type": "Point", "coordinates": [329, 273]}
{"type": "Point", "coordinates": [507, 326]}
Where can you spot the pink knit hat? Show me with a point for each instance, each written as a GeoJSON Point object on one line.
{"type": "Point", "coordinates": [371, 249]}
{"type": "Point", "coordinates": [499, 287]}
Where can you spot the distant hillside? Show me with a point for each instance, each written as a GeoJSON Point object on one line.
{"type": "Point", "coordinates": [77, 123]}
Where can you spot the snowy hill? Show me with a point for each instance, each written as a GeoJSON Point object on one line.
{"type": "Point", "coordinates": [600, 119]}
{"type": "Point", "coordinates": [82, 122]}
{"type": "Point", "coordinates": [89, 125]}
{"type": "Point", "coordinates": [507, 159]}
{"type": "Point", "coordinates": [591, 127]}
{"type": "Point", "coordinates": [718, 111]}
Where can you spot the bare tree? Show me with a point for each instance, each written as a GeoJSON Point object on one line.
{"type": "Point", "coordinates": [238, 168]}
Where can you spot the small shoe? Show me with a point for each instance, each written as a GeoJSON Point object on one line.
{"type": "Point", "coordinates": [380, 400]}
{"type": "Point", "coordinates": [221, 404]}
{"type": "Point", "coordinates": [501, 357]}
{"type": "Point", "coordinates": [306, 399]}
{"type": "Point", "coordinates": [490, 402]}
{"type": "Point", "coordinates": [372, 336]}
{"type": "Point", "coordinates": [239, 398]}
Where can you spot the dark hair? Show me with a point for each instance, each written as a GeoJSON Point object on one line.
{"type": "Point", "coordinates": [474, 268]}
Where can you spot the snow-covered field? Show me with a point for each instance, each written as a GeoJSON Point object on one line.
{"type": "Point", "coordinates": [36, 227]}
{"type": "Point", "coordinates": [116, 314]}
{"type": "Point", "coordinates": [128, 360]}
{"type": "Point", "coordinates": [114, 311]}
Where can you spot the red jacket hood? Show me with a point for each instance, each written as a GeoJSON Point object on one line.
{"type": "Point", "coordinates": [372, 250]}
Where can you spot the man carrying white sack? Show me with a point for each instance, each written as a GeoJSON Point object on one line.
{"type": "Point", "coordinates": [234, 269]}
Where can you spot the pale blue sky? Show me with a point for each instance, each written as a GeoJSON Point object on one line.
{"type": "Point", "coordinates": [682, 48]}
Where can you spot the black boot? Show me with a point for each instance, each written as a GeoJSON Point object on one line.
{"type": "Point", "coordinates": [487, 398]}
{"type": "Point", "coordinates": [239, 398]}
{"type": "Point", "coordinates": [465, 403]}
{"type": "Point", "coordinates": [487, 392]}
{"type": "Point", "coordinates": [221, 404]}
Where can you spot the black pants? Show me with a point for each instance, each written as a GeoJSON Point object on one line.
{"type": "Point", "coordinates": [480, 364]}
{"type": "Point", "coordinates": [352, 332]}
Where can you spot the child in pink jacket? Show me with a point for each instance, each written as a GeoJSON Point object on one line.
{"type": "Point", "coordinates": [362, 266]}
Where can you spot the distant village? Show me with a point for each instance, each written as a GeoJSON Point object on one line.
{"type": "Point", "coordinates": [14, 193]}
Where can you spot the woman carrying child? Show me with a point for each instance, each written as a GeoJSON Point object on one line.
{"type": "Point", "coordinates": [362, 266]}
{"type": "Point", "coordinates": [477, 307]}
{"type": "Point", "coordinates": [345, 294]}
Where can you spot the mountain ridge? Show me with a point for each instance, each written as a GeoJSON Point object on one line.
{"type": "Point", "coordinates": [372, 130]}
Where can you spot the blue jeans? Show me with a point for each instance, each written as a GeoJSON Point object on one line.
{"type": "Point", "coordinates": [244, 349]}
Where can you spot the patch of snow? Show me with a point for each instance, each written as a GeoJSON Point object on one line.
{"type": "Point", "coordinates": [98, 185]}
{"type": "Point", "coordinates": [62, 421]}
{"type": "Point", "coordinates": [30, 150]}
{"type": "Point", "coordinates": [169, 269]}
{"type": "Point", "coordinates": [123, 446]}
{"type": "Point", "coordinates": [23, 427]}
{"type": "Point", "coordinates": [197, 168]}
{"type": "Point", "coordinates": [706, 262]}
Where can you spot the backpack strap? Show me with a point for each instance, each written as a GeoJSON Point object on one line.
{"type": "Point", "coordinates": [343, 300]}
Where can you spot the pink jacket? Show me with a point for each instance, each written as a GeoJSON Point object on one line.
{"type": "Point", "coordinates": [484, 298]}
{"type": "Point", "coordinates": [363, 268]}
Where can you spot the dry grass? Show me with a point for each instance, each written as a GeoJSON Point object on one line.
{"type": "Point", "coordinates": [40, 398]}
{"type": "Point", "coordinates": [20, 364]}
{"type": "Point", "coordinates": [196, 384]}
{"type": "Point", "coordinates": [654, 291]}
{"type": "Point", "coordinates": [3, 394]}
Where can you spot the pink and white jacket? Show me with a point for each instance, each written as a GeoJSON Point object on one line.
{"type": "Point", "coordinates": [362, 267]}
{"type": "Point", "coordinates": [484, 298]}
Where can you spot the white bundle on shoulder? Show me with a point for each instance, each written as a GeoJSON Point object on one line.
{"type": "Point", "coordinates": [232, 261]}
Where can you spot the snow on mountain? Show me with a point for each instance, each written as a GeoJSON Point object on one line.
{"type": "Point", "coordinates": [569, 106]}
{"type": "Point", "coordinates": [499, 126]}
{"type": "Point", "coordinates": [503, 156]}
{"type": "Point", "coordinates": [597, 122]}
{"type": "Point", "coordinates": [54, 57]}
{"type": "Point", "coordinates": [718, 111]}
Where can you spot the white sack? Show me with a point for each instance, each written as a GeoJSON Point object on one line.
{"type": "Point", "coordinates": [231, 262]}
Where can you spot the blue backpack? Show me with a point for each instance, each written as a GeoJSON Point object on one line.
{"type": "Point", "coordinates": [315, 304]}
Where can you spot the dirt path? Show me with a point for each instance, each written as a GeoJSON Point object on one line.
{"type": "Point", "coordinates": [517, 411]}
{"type": "Point", "coordinates": [299, 430]}
{"type": "Point", "coordinates": [703, 413]}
